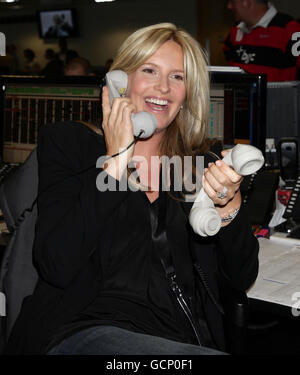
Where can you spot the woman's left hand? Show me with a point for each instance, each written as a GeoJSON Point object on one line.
{"type": "Point", "coordinates": [221, 182]}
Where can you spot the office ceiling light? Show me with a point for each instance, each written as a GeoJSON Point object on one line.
{"type": "Point", "coordinates": [8, 1]}
{"type": "Point", "coordinates": [104, 1]}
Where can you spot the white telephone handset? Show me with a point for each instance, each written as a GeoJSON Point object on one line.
{"type": "Point", "coordinates": [204, 218]}
{"type": "Point", "coordinates": [144, 122]}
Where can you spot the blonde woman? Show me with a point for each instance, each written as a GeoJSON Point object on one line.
{"type": "Point", "coordinates": [121, 271]}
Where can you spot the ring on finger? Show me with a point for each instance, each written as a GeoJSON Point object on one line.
{"type": "Point", "coordinates": [223, 193]}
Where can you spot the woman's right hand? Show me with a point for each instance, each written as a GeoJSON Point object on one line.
{"type": "Point", "coordinates": [118, 132]}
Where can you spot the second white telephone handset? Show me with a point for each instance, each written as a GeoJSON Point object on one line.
{"type": "Point", "coordinates": [143, 122]}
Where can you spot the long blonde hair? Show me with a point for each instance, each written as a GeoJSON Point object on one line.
{"type": "Point", "coordinates": [186, 134]}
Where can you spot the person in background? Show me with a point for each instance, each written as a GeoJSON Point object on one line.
{"type": "Point", "coordinates": [121, 270]}
{"type": "Point", "coordinates": [31, 64]}
{"type": "Point", "coordinates": [11, 50]}
{"type": "Point", "coordinates": [65, 54]}
{"type": "Point", "coordinates": [6, 63]}
{"type": "Point", "coordinates": [78, 67]}
{"type": "Point", "coordinates": [108, 64]}
{"type": "Point", "coordinates": [262, 41]}
{"type": "Point", "coordinates": [54, 66]}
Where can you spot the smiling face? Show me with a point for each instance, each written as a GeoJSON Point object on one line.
{"type": "Point", "coordinates": [158, 85]}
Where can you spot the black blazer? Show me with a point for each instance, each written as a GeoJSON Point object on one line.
{"type": "Point", "coordinates": [69, 273]}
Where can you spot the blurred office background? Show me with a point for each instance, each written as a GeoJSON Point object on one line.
{"type": "Point", "coordinates": [103, 26]}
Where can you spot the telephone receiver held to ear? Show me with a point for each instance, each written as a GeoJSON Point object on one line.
{"type": "Point", "coordinates": [144, 122]}
{"type": "Point", "coordinates": [204, 217]}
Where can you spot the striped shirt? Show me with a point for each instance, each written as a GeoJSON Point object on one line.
{"type": "Point", "coordinates": [268, 47]}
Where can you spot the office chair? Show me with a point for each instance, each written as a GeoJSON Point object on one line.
{"type": "Point", "coordinates": [17, 274]}
{"type": "Point", "coordinates": [236, 308]}
{"type": "Point", "coordinates": [18, 277]}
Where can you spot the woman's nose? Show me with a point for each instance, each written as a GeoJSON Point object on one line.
{"type": "Point", "coordinates": [163, 84]}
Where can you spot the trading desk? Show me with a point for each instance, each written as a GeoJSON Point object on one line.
{"type": "Point", "coordinates": [277, 287]}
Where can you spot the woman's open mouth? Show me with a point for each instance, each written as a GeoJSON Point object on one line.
{"type": "Point", "coordinates": [157, 104]}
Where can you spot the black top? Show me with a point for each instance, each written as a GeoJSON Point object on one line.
{"type": "Point", "coordinates": [81, 243]}
{"type": "Point", "coordinates": [134, 293]}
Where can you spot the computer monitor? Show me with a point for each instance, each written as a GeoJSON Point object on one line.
{"type": "Point", "coordinates": [58, 23]}
{"type": "Point", "coordinates": [283, 112]}
{"type": "Point", "coordinates": [238, 108]}
{"type": "Point", "coordinates": [28, 102]}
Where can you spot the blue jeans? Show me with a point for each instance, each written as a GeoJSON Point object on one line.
{"type": "Point", "coordinates": [109, 340]}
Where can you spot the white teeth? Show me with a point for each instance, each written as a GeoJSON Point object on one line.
{"type": "Point", "coordinates": [157, 101]}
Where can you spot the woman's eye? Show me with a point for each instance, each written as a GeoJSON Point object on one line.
{"type": "Point", "coordinates": [148, 70]}
{"type": "Point", "coordinates": [178, 77]}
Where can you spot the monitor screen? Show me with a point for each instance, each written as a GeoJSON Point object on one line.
{"type": "Point", "coordinates": [283, 110]}
{"type": "Point", "coordinates": [57, 23]}
{"type": "Point", "coordinates": [237, 109]}
{"type": "Point", "coordinates": [27, 103]}
{"type": "Point", "coordinates": [283, 114]}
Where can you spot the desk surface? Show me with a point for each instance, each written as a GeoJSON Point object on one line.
{"type": "Point", "coordinates": [278, 279]}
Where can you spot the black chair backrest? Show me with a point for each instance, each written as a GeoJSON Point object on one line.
{"type": "Point", "coordinates": [18, 276]}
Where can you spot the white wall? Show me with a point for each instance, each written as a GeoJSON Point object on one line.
{"type": "Point", "coordinates": [103, 27]}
